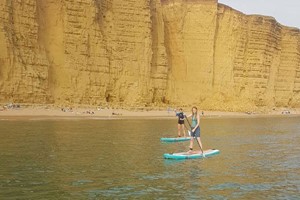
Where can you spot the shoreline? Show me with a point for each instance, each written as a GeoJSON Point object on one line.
{"type": "Point", "coordinates": [45, 113]}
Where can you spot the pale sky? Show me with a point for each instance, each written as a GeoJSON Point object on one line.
{"type": "Point", "coordinates": [286, 12]}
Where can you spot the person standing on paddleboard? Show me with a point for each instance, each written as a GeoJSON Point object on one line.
{"type": "Point", "coordinates": [195, 129]}
{"type": "Point", "coordinates": [180, 125]}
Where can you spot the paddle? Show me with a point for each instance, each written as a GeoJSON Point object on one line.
{"type": "Point", "coordinates": [194, 136]}
{"type": "Point", "coordinates": [189, 124]}
{"type": "Point", "coordinates": [189, 132]}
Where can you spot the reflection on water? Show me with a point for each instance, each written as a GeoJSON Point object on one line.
{"type": "Point", "coordinates": [108, 159]}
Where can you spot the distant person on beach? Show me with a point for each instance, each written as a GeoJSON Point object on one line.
{"type": "Point", "coordinates": [168, 109]}
{"type": "Point", "coordinates": [180, 125]}
{"type": "Point", "coordinates": [195, 128]}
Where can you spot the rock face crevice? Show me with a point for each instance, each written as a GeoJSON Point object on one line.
{"type": "Point", "coordinates": [146, 52]}
{"type": "Point", "coordinates": [159, 61]}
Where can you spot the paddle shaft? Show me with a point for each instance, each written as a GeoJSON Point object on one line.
{"type": "Point", "coordinates": [188, 122]}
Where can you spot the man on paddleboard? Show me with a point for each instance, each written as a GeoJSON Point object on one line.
{"type": "Point", "coordinates": [180, 125]}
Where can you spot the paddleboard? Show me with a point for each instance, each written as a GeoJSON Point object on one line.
{"type": "Point", "coordinates": [177, 139]}
{"type": "Point", "coordinates": [191, 155]}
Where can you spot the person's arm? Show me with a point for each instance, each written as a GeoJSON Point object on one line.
{"type": "Point", "coordinates": [188, 115]}
{"type": "Point", "coordinates": [176, 113]}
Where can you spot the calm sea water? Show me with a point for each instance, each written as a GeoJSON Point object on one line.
{"type": "Point", "coordinates": [122, 159]}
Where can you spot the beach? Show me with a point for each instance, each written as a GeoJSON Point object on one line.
{"type": "Point", "coordinates": [42, 111]}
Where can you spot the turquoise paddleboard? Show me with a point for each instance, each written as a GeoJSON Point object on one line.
{"type": "Point", "coordinates": [191, 155]}
{"type": "Point", "coordinates": [177, 139]}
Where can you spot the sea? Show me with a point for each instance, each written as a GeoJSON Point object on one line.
{"type": "Point", "coordinates": [96, 158]}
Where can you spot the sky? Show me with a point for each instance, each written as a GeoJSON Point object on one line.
{"type": "Point", "coordinates": [286, 12]}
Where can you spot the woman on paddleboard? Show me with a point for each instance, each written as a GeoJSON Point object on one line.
{"type": "Point", "coordinates": [180, 125]}
{"type": "Point", "coordinates": [195, 129]}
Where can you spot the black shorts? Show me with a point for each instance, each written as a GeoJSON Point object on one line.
{"type": "Point", "coordinates": [180, 122]}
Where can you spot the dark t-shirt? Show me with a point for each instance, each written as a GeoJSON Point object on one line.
{"type": "Point", "coordinates": [180, 116]}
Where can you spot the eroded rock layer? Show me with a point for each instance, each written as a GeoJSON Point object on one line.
{"type": "Point", "coordinates": [146, 52]}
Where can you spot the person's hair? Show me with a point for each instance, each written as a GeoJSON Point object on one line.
{"type": "Point", "coordinates": [180, 109]}
{"type": "Point", "coordinates": [196, 111]}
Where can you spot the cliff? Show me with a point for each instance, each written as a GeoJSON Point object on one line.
{"type": "Point", "coordinates": [146, 52]}
{"type": "Point", "coordinates": [75, 51]}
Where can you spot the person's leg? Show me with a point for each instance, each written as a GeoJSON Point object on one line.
{"type": "Point", "coordinates": [184, 134]}
{"type": "Point", "coordinates": [179, 127]}
{"type": "Point", "coordinates": [191, 145]}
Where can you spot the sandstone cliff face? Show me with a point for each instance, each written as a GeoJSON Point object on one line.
{"type": "Point", "coordinates": [190, 28]}
{"type": "Point", "coordinates": [146, 52]}
{"type": "Point", "coordinates": [23, 63]}
{"type": "Point", "coordinates": [256, 61]}
{"type": "Point", "coordinates": [222, 59]}
{"type": "Point", "coordinates": [75, 52]}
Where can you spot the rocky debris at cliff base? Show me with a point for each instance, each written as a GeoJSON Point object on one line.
{"type": "Point", "coordinates": [11, 106]}
{"type": "Point", "coordinates": [89, 112]}
{"type": "Point", "coordinates": [67, 109]}
{"type": "Point", "coordinates": [118, 114]}
{"type": "Point", "coordinates": [250, 113]}
{"type": "Point", "coordinates": [286, 112]}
